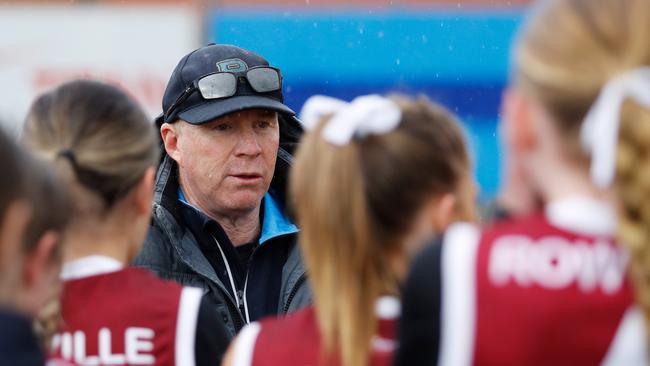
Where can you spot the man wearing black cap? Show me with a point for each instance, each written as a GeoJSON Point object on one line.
{"type": "Point", "coordinates": [219, 219]}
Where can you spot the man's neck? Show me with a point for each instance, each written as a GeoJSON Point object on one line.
{"type": "Point", "coordinates": [241, 226]}
{"type": "Point", "coordinates": [241, 229]}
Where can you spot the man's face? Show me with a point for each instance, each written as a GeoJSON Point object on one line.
{"type": "Point", "coordinates": [226, 165]}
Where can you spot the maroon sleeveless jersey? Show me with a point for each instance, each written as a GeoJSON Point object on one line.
{"type": "Point", "coordinates": [126, 317]}
{"type": "Point", "coordinates": [295, 339]}
{"type": "Point", "coordinates": [532, 292]}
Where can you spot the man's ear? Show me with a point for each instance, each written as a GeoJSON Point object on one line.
{"type": "Point", "coordinates": [143, 192]}
{"type": "Point", "coordinates": [39, 260]}
{"type": "Point", "coordinates": [517, 124]}
{"type": "Point", "coordinates": [170, 134]}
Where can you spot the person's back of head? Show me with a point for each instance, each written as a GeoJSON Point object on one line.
{"type": "Point", "coordinates": [588, 65]}
{"type": "Point", "coordinates": [104, 147]}
{"type": "Point", "coordinates": [12, 188]}
{"type": "Point", "coordinates": [364, 202]}
{"type": "Point", "coordinates": [600, 40]}
{"type": "Point", "coordinates": [33, 206]}
{"type": "Point", "coordinates": [14, 211]}
{"type": "Point", "coordinates": [33, 213]}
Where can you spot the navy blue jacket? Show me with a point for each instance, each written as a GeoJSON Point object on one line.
{"type": "Point", "coordinates": [18, 344]}
{"type": "Point", "coordinates": [186, 246]}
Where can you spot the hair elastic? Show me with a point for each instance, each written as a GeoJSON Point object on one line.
{"type": "Point", "coordinates": [68, 154]}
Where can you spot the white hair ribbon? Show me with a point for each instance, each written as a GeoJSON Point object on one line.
{"type": "Point", "coordinates": [317, 107]}
{"type": "Point", "coordinates": [369, 114]}
{"type": "Point", "coordinates": [599, 132]}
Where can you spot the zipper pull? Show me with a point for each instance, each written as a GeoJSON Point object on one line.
{"type": "Point", "coordinates": [240, 300]}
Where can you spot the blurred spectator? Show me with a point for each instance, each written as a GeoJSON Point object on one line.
{"type": "Point", "coordinates": [103, 146]}
{"type": "Point", "coordinates": [372, 181]}
{"type": "Point", "coordinates": [552, 287]}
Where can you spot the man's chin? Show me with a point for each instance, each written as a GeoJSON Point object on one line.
{"type": "Point", "coordinates": [245, 201]}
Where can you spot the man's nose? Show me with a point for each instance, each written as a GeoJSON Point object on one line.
{"type": "Point", "coordinates": [248, 144]}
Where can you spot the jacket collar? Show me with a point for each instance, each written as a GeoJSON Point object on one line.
{"type": "Point", "coordinates": [163, 178]}
{"type": "Point", "coordinates": [274, 222]}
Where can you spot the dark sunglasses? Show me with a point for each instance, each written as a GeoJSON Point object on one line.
{"type": "Point", "coordinates": [218, 85]}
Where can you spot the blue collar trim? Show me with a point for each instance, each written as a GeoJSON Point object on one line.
{"type": "Point", "coordinates": [274, 224]}
{"type": "Point", "coordinates": [181, 197]}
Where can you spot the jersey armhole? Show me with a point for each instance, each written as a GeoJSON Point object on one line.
{"type": "Point", "coordinates": [244, 346]}
{"type": "Point", "coordinates": [629, 346]}
{"type": "Point", "coordinates": [458, 303]}
{"type": "Point", "coordinates": [188, 314]}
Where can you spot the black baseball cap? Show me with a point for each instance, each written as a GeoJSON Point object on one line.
{"type": "Point", "coordinates": [207, 60]}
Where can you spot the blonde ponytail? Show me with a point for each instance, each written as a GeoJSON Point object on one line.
{"type": "Point", "coordinates": [355, 203]}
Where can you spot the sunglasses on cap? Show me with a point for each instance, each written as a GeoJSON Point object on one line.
{"type": "Point", "coordinates": [262, 79]}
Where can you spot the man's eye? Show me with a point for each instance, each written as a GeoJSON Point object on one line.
{"type": "Point", "coordinates": [222, 127]}
{"type": "Point", "coordinates": [263, 124]}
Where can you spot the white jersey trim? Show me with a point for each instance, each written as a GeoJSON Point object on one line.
{"type": "Point", "coordinates": [582, 215]}
{"type": "Point", "coordinates": [245, 345]}
{"type": "Point", "coordinates": [188, 314]}
{"type": "Point", "coordinates": [458, 295]}
{"type": "Point", "coordinates": [88, 266]}
{"type": "Point", "coordinates": [629, 346]}
{"type": "Point", "coordinates": [388, 307]}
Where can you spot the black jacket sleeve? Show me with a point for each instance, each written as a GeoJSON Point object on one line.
{"type": "Point", "coordinates": [212, 337]}
{"type": "Point", "coordinates": [419, 329]}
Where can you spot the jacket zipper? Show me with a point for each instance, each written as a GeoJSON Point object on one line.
{"type": "Point", "coordinates": [236, 316]}
{"type": "Point", "coordinates": [294, 292]}
{"type": "Point", "coordinates": [241, 295]}
{"type": "Point", "coordinates": [238, 322]}
{"type": "Point", "coordinates": [240, 298]}
{"type": "Point", "coordinates": [230, 302]}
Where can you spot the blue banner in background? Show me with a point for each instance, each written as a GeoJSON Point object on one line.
{"type": "Point", "coordinates": [459, 59]}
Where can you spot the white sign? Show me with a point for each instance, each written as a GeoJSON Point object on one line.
{"type": "Point", "coordinates": [136, 47]}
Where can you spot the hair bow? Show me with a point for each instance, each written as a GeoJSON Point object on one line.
{"type": "Point", "coordinates": [365, 115]}
{"type": "Point", "coordinates": [599, 132]}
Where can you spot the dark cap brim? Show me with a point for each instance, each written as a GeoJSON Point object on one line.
{"type": "Point", "coordinates": [212, 109]}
